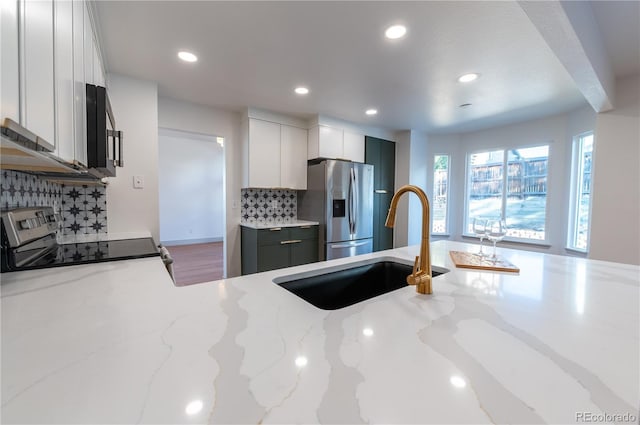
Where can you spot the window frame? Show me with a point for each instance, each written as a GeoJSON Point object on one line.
{"type": "Point", "coordinates": [577, 173]}
{"type": "Point", "coordinates": [447, 218]}
{"type": "Point", "coordinates": [505, 174]}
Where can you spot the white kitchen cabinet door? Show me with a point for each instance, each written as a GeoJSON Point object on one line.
{"type": "Point", "coordinates": [264, 154]}
{"type": "Point", "coordinates": [330, 142]}
{"type": "Point", "coordinates": [293, 154]}
{"type": "Point", "coordinates": [88, 46]}
{"type": "Point", "coordinates": [63, 37]}
{"type": "Point", "coordinates": [353, 146]}
{"type": "Point", "coordinates": [79, 89]}
{"type": "Point", "coordinates": [9, 86]}
{"type": "Point", "coordinates": [98, 74]}
{"type": "Point", "coordinates": [37, 101]}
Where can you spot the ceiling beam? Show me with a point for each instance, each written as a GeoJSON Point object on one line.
{"type": "Point", "coordinates": [570, 30]}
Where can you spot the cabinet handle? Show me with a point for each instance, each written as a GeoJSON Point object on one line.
{"type": "Point", "coordinates": [305, 227]}
{"type": "Point", "coordinates": [290, 242]}
{"type": "Point", "coordinates": [380, 191]}
{"type": "Point", "coordinates": [275, 229]}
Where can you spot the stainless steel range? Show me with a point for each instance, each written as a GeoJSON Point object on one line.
{"type": "Point", "coordinates": [28, 241]}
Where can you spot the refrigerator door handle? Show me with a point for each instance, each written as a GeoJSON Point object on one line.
{"type": "Point", "coordinates": [356, 197]}
{"type": "Point", "coordinates": [348, 245]}
{"type": "Point", "coordinates": [350, 203]}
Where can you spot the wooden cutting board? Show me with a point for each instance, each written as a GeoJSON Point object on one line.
{"type": "Point", "coordinates": [468, 260]}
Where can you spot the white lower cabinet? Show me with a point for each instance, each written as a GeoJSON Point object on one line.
{"type": "Point", "coordinates": [275, 156]}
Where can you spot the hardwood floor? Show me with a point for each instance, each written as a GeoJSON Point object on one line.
{"type": "Point", "coordinates": [197, 263]}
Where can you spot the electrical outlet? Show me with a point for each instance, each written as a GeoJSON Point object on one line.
{"type": "Point", "coordinates": [274, 204]}
{"type": "Point", "coordinates": [138, 182]}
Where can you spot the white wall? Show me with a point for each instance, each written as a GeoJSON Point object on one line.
{"type": "Point", "coordinates": [191, 168]}
{"type": "Point", "coordinates": [135, 105]}
{"type": "Point", "coordinates": [448, 144]}
{"type": "Point", "coordinates": [615, 225]}
{"type": "Point", "coordinates": [179, 115]}
{"type": "Point", "coordinates": [418, 177]}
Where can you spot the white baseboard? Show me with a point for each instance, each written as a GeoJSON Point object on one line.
{"type": "Point", "coordinates": [191, 241]}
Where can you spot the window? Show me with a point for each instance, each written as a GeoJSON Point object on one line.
{"type": "Point", "coordinates": [511, 184]}
{"type": "Point", "coordinates": [580, 192]}
{"type": "Point", "coordinates": [440, 195]}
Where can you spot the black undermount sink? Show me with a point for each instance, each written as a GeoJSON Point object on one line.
{"type": "Point", "coordinates": [342, 288]}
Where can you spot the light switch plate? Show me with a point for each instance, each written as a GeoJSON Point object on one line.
{"type": "Point", "coordinates": [138, 182]}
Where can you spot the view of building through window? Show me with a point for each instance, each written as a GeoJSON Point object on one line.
{"type": "Point", "coordinates": [523, 203]}
{"type": "Point", "coordinates": [440, 194]}
{"type": "Point", "coordinates": [579, 219]}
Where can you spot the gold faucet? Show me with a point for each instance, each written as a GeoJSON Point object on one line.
{"type": "Point", "coordinates": [421, 276]}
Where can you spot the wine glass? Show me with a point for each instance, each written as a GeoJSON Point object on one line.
{"type": "Point", "coordinates": [496, 231]}
{"type": "Point", "coordinates": [479, 227]}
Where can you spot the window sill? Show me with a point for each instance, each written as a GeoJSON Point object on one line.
{"type": "Point", "coordinates": [576, 250]}
{"type": "Point", "coordinates": [543, 244]}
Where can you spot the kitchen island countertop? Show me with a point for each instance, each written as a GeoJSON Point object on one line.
{"type": "Point", "coordinates": [119, 343]}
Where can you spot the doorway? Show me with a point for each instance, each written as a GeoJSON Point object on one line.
{"type": "Point", "coordinates": [191, 201]}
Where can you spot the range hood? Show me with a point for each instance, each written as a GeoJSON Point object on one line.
{"type": "Point", "coordinates": [21, 150]}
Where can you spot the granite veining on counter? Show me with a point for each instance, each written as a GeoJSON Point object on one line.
{"type": "Point", "coordinates": [118, 343]}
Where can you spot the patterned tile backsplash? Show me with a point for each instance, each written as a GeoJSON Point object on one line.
{"type": "Point", "coordinates": [268, 206]}
{"type": "Point", "coordinates": [82, 208]}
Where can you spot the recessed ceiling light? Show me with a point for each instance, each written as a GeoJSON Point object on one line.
{"type": "Point", "coordinates": [187, 56]}
{"type": "Point", "coordinates": [467, 78]}
{"type": "Point", "coordinates": [302, 90]}
{"type": "Point", "coordinates": [465, 105]}
{"type": "Point", "coordinates": [395, 31]}
{"type": "Point", "coordinates": [371, 111]}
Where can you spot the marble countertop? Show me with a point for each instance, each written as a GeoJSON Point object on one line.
{"type": "Point", "coordinates": [119, 343]}
{"type": "Point", "coordinates": [272, 225]}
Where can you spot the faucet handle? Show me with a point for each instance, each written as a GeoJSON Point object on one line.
{"type": "Point", "coordinates": [416, 264]}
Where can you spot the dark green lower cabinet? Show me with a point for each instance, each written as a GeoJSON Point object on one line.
{"type": "Point", "coordinates": [304, 252]}
{"type": "Point", "coordinates": [278, 247]}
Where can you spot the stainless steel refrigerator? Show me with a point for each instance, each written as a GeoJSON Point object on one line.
{"type": "Point", "coordinates": [339, 196]}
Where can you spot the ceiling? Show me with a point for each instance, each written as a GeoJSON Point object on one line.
{"type": "Point", "coordinates": [253, 54]}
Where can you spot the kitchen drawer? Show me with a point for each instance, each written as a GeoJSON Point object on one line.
{"type": "Point", "coordinates": [304, 232]}
{"type": "Point", "coordinates": [304, 252]}
{"type": "Point", "coordinates": [273, 257]}
{"type": "Point", "coordinates": [273, 236]}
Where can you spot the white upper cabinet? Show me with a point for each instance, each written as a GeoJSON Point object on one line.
{"type": "Point", "coordinates": [353, 146]}
{"type": "Point", "coordinates": [293, 157]}
{"type": "Point", "coordinates": [98, 73]}
{"type": "Point", "coordinates": [10, 75]}
{"type": "Point", "coordinates": [88, 47]}
{"type": "Point", "coordinates": [275, 155]}
{"type": "Point", "coordinates": [64, 84]}
{"type": "Point", "coordinates": [335, 143]}
{"type": "Point", "coordinates": [48, 54]}
{"type": "Point", "coordinates": [79, 90]}
{"type": "Point", "coordinates": [37, 102]}
{"type": "Point", "coordinates": [264, 154]}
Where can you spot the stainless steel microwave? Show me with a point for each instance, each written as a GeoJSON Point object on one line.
{"type": "Point", "coordinates": [104, 143]}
